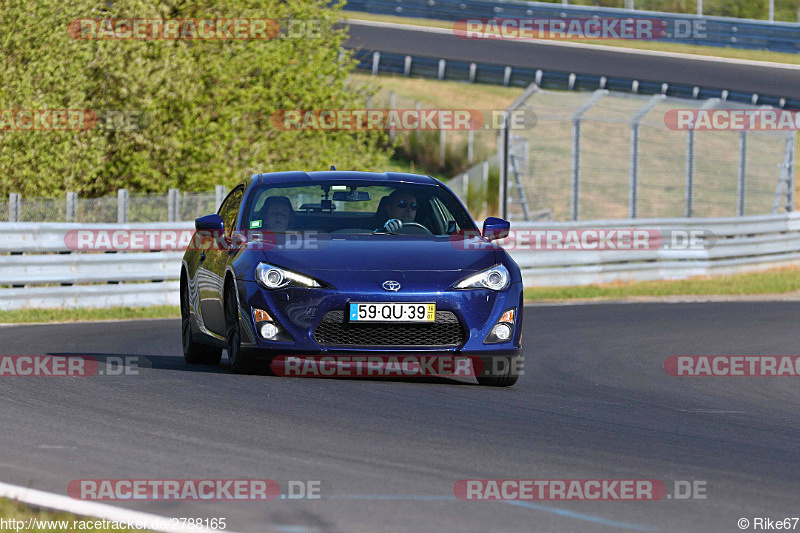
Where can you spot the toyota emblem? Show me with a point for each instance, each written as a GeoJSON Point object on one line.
{"type": "Point", "coordinates": [391, 285]}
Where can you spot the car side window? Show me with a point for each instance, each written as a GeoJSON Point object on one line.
{"type": "Point", "coordinates": [443, 216]}
{"type": "Point", "coordinates": [229, 210]}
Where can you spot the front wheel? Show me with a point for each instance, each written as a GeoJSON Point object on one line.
{"type": "Point", "coordinates": [240, 363]}
{"type": "Point", "coordinates": [194, 352]}
{"type": "Point", "coordinates": [500, 371]}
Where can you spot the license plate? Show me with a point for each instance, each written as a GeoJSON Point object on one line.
{"type": "Point", "coordinates": [392, 312]}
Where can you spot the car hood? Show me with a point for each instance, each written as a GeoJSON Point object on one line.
{"type": "Point", "coordinates": [418, 257]}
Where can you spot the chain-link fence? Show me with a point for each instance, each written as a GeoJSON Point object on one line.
{"type": "Point", "coordinates": [102, 209]}
{"type": "Point", "coordinates": [607, 155]}
{"type": "Point", "coordinates": [124, 207]}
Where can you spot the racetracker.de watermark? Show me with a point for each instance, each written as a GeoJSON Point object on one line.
{"type": "Point", "coordinates": [579, 489]}
{"type": "Point", "coordinates": [579, 28]}
{"type": "Point", "coordinates": [732, 119]}
{"type": "Point", "coordinates": [732, 365]}
{"type": "Point", "coordinates": [390, 366]}
{"type": "Point", "coordinates": [70, 120]}
{"type": "Point", "coordinates": [400, 119]}
{"type": "Point", "coordinates": [173, 489]}
{"type": "Point", "coordinates": [47, 119]}
{"type": "Point", "coordinates": [591, 239]}
{"type": "Point", "coordinates": [559, 489]}
{"type": "Point", "coordinates": [121, 240]}
{"type": "Point", "coordinates": [221, 29]}
{"type": "Point", "coordinates": [193, 489]}
{"type": "Point", "coordinates": [70, 365]}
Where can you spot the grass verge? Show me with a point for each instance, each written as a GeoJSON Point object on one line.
{"type": "Point", "coordinates": [22, 316]}
{"type": "Point", "coordinates": [776, 281]}
{"type": "Point", "coordinates": [658, 46]}
{"type": "Point", "coordinates": [49, 521]}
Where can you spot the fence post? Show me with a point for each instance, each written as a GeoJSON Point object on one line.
{"type": "Point", "coordinates": [574, 195]}
{"type": "Point", "coordinates": [72, 206]}
{"type": "Point", "coordinates": [792, 159]}
{"type": "Point", "coordinates": [689, 172]}
{"type": "Point", "coordinates": [376, 62]}
{"type": "Point", "coordinates": [443, 63]}
{"type": "Point", "coordinates": [407, 67]}
{"type": "Point", "coordinates": [442, 141]}
{"type": "Point", "coordinates": [634, 163]}
{"type": "Point", "coordinates": [415, 132]}
{"type": "Point", "coordinates": [392, 100]}
{"type": "Point", "coordinates": [700, 8]}
{"type": "Point", "coordinates": [13, 207]}
{"type": "Point", "coordinates": [122, 206]}
{"type": "Point", "coordinates": [470, 146]}
{"type": "Point", "coordinates": [742, 173]}
{"type": "Point", "coordinates": [574, 202]}
{"type": "Point", "coordinates": [502, 160]}
{"type": "Point", "coordinates": [173, 205]}
{"type": "Point", "coordinates": [219, 195]}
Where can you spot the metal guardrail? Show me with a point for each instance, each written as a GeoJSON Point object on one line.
{"type": "Point", "coordinates": [39, 269]}
{"type": "Point", "coordinates": [80, 279]}
{"type": "Point", "coordinates": [716, 31]}
{"type": "Point", "coordinates": [494, 74]}
{"type": "Point", "coordinates": [732, 245]}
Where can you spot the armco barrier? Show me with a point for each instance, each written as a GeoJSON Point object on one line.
{"type": "Point", "coordinates": [499, 74]}
{"type": "Point", "coordinates": [716, 31]}
{"type": "Point", "coordinates": [737, 244]}
{"type": "Point", "coordinates": [63, 278]}
{"type": "Point", "coordinates": [38, 269]}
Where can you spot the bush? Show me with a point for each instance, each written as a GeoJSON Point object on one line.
{"type": "Point", "coordinates": [208, 103]}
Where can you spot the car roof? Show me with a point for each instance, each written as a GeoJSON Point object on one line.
{"type": "Point", "coordinates": [341, 175]}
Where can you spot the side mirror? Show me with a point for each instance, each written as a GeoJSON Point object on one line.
{"type": "Point", "coordinates": [209, 223]}
{"type": "Point", "coordinates": [495, 228]}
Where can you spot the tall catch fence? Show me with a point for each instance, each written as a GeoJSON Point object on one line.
{"type": "Point", "coordinates": [605, 155]}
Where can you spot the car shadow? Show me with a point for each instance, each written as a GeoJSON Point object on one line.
{"type": "Point", "coordinates": [177, 363]}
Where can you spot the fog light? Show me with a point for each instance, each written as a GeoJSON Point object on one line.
{"type": "Point", "coordinates": [502, 332]}
{"type": "Point", "coordinates": [269, 330]}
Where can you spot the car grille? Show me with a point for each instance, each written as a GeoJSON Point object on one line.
{"type": "Point", "coordinates": [445, 332]}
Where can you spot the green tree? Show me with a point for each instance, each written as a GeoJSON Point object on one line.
{"type": "Point", "coordinates": [206, 104]}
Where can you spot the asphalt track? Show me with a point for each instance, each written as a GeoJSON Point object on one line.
{"type": "Point", "coordinates": [595, 403]}
{"type": "Point", "coordinates": [780, 81]}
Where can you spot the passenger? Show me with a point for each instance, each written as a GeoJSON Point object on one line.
{"type": "Point", "coordinates": [277, 213]}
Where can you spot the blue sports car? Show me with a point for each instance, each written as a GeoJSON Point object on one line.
{"type": "Point", "coordinates": [337, 262]}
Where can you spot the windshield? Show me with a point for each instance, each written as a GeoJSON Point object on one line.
{"type": "Point", "coordinates": [355, 207]}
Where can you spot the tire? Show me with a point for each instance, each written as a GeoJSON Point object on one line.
{"type": "Point", "coordinates": [240, 362]}
{"type": "Point", "coordinates": [193, 352]}
{"type": "Point", "coordinates": [505, 377]}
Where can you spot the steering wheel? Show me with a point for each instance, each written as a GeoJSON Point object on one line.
{"type": "Point", "coordinates": [425, 231]}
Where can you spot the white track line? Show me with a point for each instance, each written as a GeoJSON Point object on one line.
{"type": "Point", "coordinates": [48, 500]}
{"type": "Point", "coordinates": [617, 49]}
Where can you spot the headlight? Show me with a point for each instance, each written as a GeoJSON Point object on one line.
{"type": "Point", "coordinates": [495, 278]}
{"type": "Point", "coordinates": [272, 277]}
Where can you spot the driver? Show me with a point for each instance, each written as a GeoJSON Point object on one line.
{"type": "Point", "coordinates": [401, 208]}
